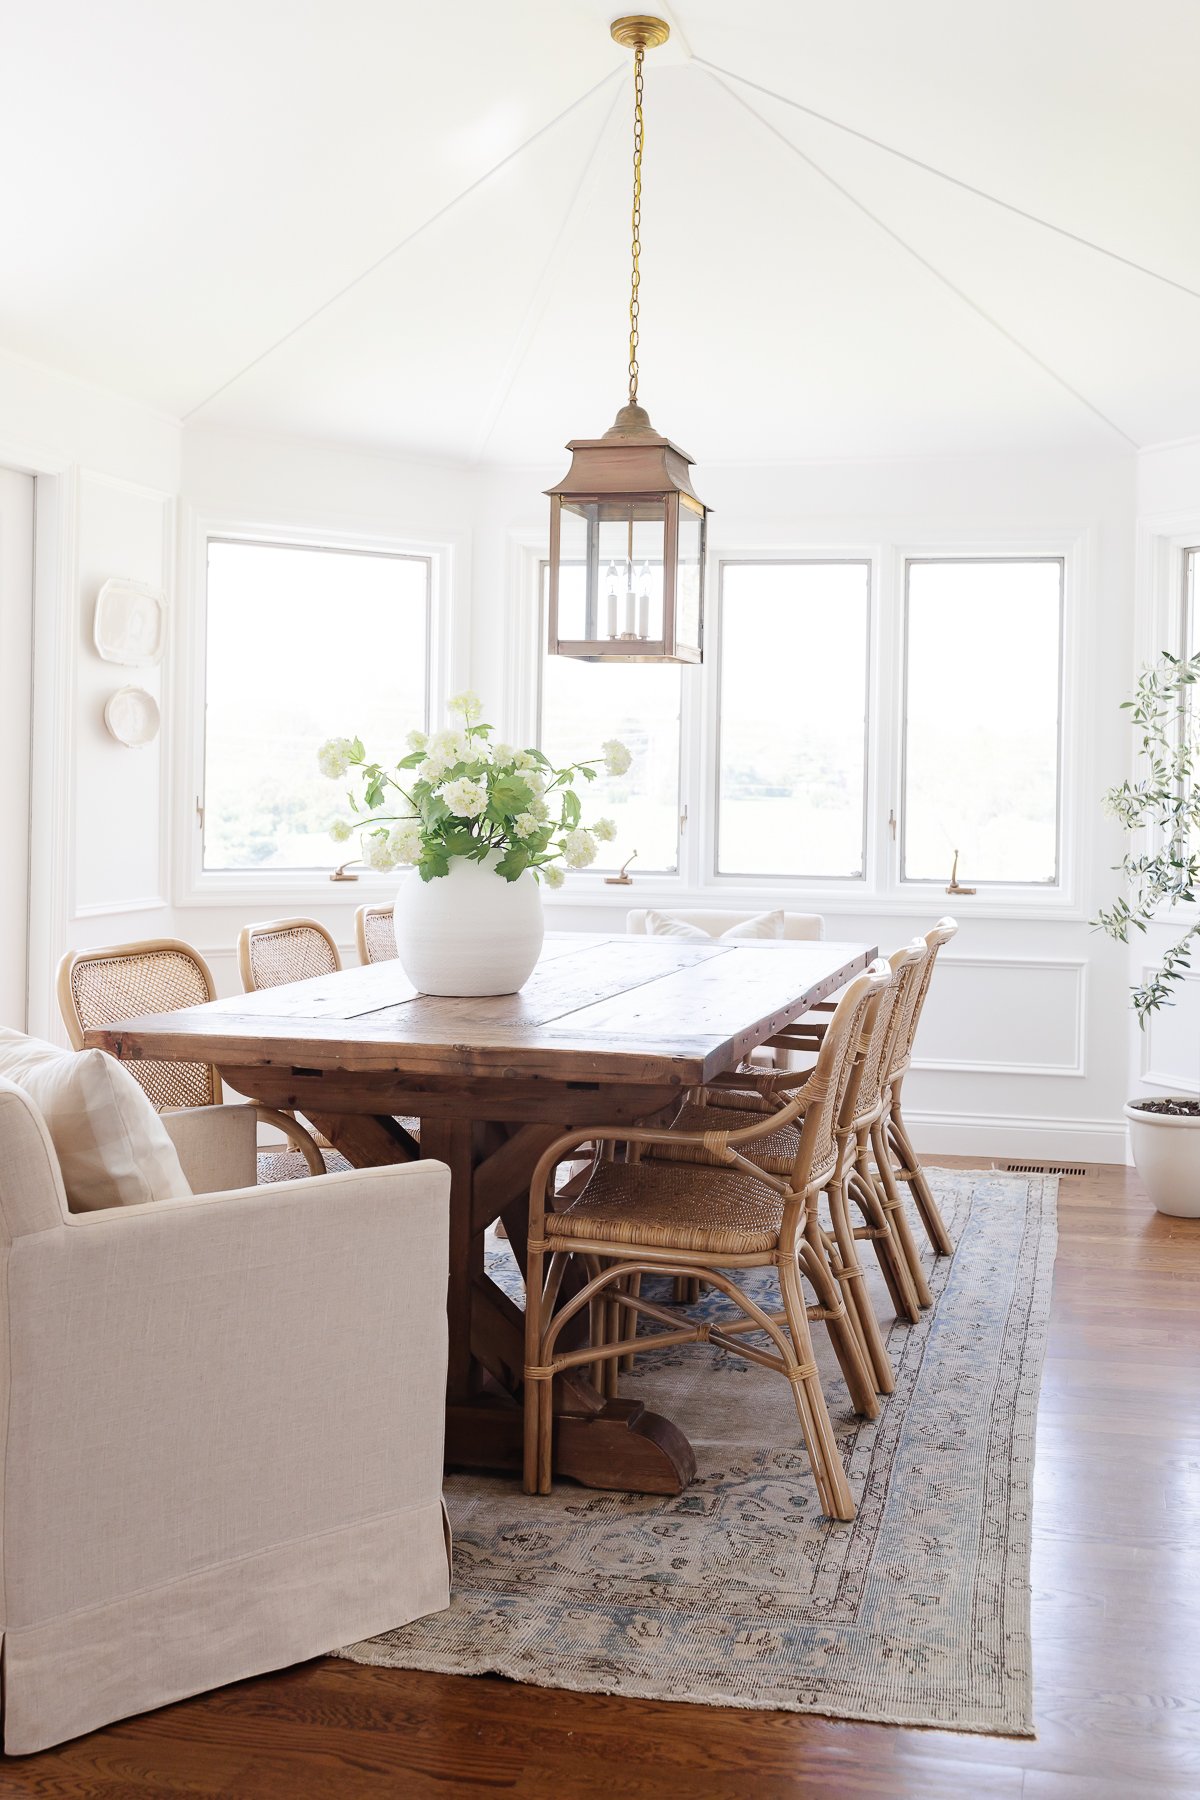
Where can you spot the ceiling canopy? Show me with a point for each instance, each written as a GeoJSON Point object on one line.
{"type": "Point", "coordinates": [873, 230]}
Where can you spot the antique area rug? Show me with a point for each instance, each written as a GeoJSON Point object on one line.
{"type": "Point", "coordinates": [738, 1592]}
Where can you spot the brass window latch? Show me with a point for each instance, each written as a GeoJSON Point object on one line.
{"type": "Point", "coordinates": [955, 887]}
{"type": "Point", "coordinates": [621, 878]}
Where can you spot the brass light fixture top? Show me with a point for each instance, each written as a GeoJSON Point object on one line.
{"type": "Point", "coordinates": [640, 31]}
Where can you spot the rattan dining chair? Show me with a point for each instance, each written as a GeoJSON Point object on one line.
{"type": "Point", "coordinates": [375, 934]}
{"type": "Point", "coordinates": [708, 1219]}
{"type": "Point", "coordinates": [852, 1183]}
{"type": "Point", "coordinates": [895, 1160]}
{"type": "Point", "coordinates": [122, 981]}
{"type": "Point", "coordinates": [278, 950]}
{"type": "Point", "coordinates": [892, 1139]}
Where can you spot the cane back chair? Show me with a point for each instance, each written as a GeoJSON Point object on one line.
{"type": "Point", "coordinates": [122, 981]}
{"type": "Point", "coordinates": [706, 1219]}
{"type": "Point", "coordinates": [278, 950]}
{"type": "Point", "coordinates": [375, 933]}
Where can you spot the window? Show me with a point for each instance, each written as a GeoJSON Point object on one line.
{"type": "Point", "coordinates": [583, 704]}
{"type": "Point", "coordinates": [1191, 601]}
{"type": "Point", "coordinates": [303, 644]}
{"type": "Point", "coordinates": [791, 754]}
{"type": "Point", "coordinates": [983, 680]}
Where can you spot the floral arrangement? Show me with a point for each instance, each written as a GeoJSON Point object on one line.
{"type": "Point", "coordinates": [461, 794]}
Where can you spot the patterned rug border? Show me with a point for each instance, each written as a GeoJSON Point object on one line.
{"type": "Point", "coordinates": [1027, 1323]}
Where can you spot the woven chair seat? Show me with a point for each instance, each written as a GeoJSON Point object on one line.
{"type": "Point", "coordinates": [776, 1151]}
{"type": "Point", "coordinates": [673, 1206]}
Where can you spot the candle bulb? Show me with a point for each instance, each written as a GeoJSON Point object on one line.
{"type": "Point", "coordinates": [644, 602]}
{"type": "Point", "coordinates": [612, 600]}
{"type": "Point", "coordinates": [630, 603]}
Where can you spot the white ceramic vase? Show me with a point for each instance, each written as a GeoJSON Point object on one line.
{"type": "Point", "coordinates": [1166, 1153]}
{"type": "Point", "coordinates": [469, 932]}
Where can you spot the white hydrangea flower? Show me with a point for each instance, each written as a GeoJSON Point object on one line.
{"type": "Point", "coordinates": [503, 755]}
{"type": "Point", "coordinates": [579, 849]}
{"type": "Point", "coordinates": [535, 781]}
{"type": "Point", "coordinates": [340, 830]}
{"type": "Point", "coordinates": [405, 841]}
{"type": "Point", "coordinates": [465, 798]}
{"type": "Point", "coordinates": [616, 757]}
{"type": "Point", "coordinates": [469, 705]}
{"type": "Point", "coordinates": [380, 855]}
{"type": "Point", "coordinates": [605, 830]}
{"type": "Point", "coordinates": [538, 809]}
{"type": "Point", "coordinates": [434, 768]}
{"type": "Point", "coordinates": [525, 825]}
{"type": "Point", "coordinates": [333, 758]}
{"type": "Point", "coordinates": [552, 875]}
{"type": "Point", "coordinates": [525, 759]}
{"type": "Point", "coordinates": [450, 744]}
{"type": "Point", "coordinates": [417, 740]}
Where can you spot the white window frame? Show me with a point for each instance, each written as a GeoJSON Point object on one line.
{"type": "Point", "coordinates": [714, 632]}
{"type": "Point", "coordinates": [198, 886]}
{"type": "Point", "coordinates": [881, 892]}
{"type": "Point", "coordinates": [930, 884]}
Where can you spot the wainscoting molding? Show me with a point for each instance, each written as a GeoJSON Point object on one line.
{"type": "Point", "coordinates": [1031, 1015]}
{"type": "Point", "coordinates": [1180, 1021]}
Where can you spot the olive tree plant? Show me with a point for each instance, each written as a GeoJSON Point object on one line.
{"type": "Point", "coordinates": [1160, 809]}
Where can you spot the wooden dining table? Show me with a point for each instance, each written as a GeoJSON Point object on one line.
{"type": "Point", "coordinates": [607, 1031]}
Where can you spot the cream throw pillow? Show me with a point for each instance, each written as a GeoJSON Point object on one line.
{"type": "Point", "coordinates": [762, 925]}
{"type": "Point", "coordinates": [112, 1146]}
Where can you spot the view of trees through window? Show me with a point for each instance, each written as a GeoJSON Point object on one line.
{"type": "Point", "coordinates": [303, 644]}
{"type": "Point", "coordinates": [793, 718]}
{"type": "Point", "coordinates": [983, 679]}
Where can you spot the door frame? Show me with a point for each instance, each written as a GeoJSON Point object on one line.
{"type": "Point", "coordinates": [51, 705]}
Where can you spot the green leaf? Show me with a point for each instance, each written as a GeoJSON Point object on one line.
{"type": "Point", "coordinates": [514, 862]}
{"type": "Point", "coordinates": [508, 795]}
{"type": "Point", "coordinates": [433, 864]}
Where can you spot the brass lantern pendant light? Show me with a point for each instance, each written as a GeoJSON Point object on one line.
{"type": "Point", "coordinates": [627, 534]}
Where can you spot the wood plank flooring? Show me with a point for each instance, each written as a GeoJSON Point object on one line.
{"type": "Point", "coordinates": [1116, 1612]}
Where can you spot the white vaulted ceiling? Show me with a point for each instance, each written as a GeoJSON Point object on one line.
{"type": "Point", "coordinates": [202, 204]}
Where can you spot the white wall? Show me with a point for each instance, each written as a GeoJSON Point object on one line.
{"type": "Point", "coordinates": [1017, 990]}
{"type": "Point", "coordinates": [107, 474]}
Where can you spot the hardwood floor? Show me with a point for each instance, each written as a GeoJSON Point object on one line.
{"type": "Point", "coordinates": [1116, 1618]}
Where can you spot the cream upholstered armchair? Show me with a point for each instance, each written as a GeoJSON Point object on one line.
{"type": "Point", "coordinates": [223, 1436]}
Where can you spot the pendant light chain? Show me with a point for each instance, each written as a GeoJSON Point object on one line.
{"type": "Point", "coordinates": [639, 134]}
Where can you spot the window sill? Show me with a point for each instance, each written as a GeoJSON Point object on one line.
{"type": "Point", "coordinates": [589, 891]}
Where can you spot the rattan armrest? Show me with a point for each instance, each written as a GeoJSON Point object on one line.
{"type": "Point", "coordinates": [296, 1135]}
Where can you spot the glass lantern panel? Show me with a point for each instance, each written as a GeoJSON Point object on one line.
{"type": "Point", "coordinates": [629, 570]}
{"type": "Point", "coordinates": [690, 578]}
{"type": "Point", "coordinates": [575, 528]}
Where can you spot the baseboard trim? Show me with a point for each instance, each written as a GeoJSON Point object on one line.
{"type": "Point", "coordinates": [1009, 1135]}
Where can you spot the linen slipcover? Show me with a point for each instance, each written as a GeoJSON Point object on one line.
{"type": "Point", "coordinates": [223, 1421]}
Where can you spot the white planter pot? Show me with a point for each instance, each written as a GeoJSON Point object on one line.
{"type": "Point", "coordinates": [469, 932]}
{"type": "Point", "coordinates": [1166, 1152]}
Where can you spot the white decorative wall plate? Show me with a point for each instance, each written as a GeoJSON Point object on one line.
{"type": "Point", "coordinates": [132, 716]}
{"type": "Point", "coordinates": [131, 623]}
